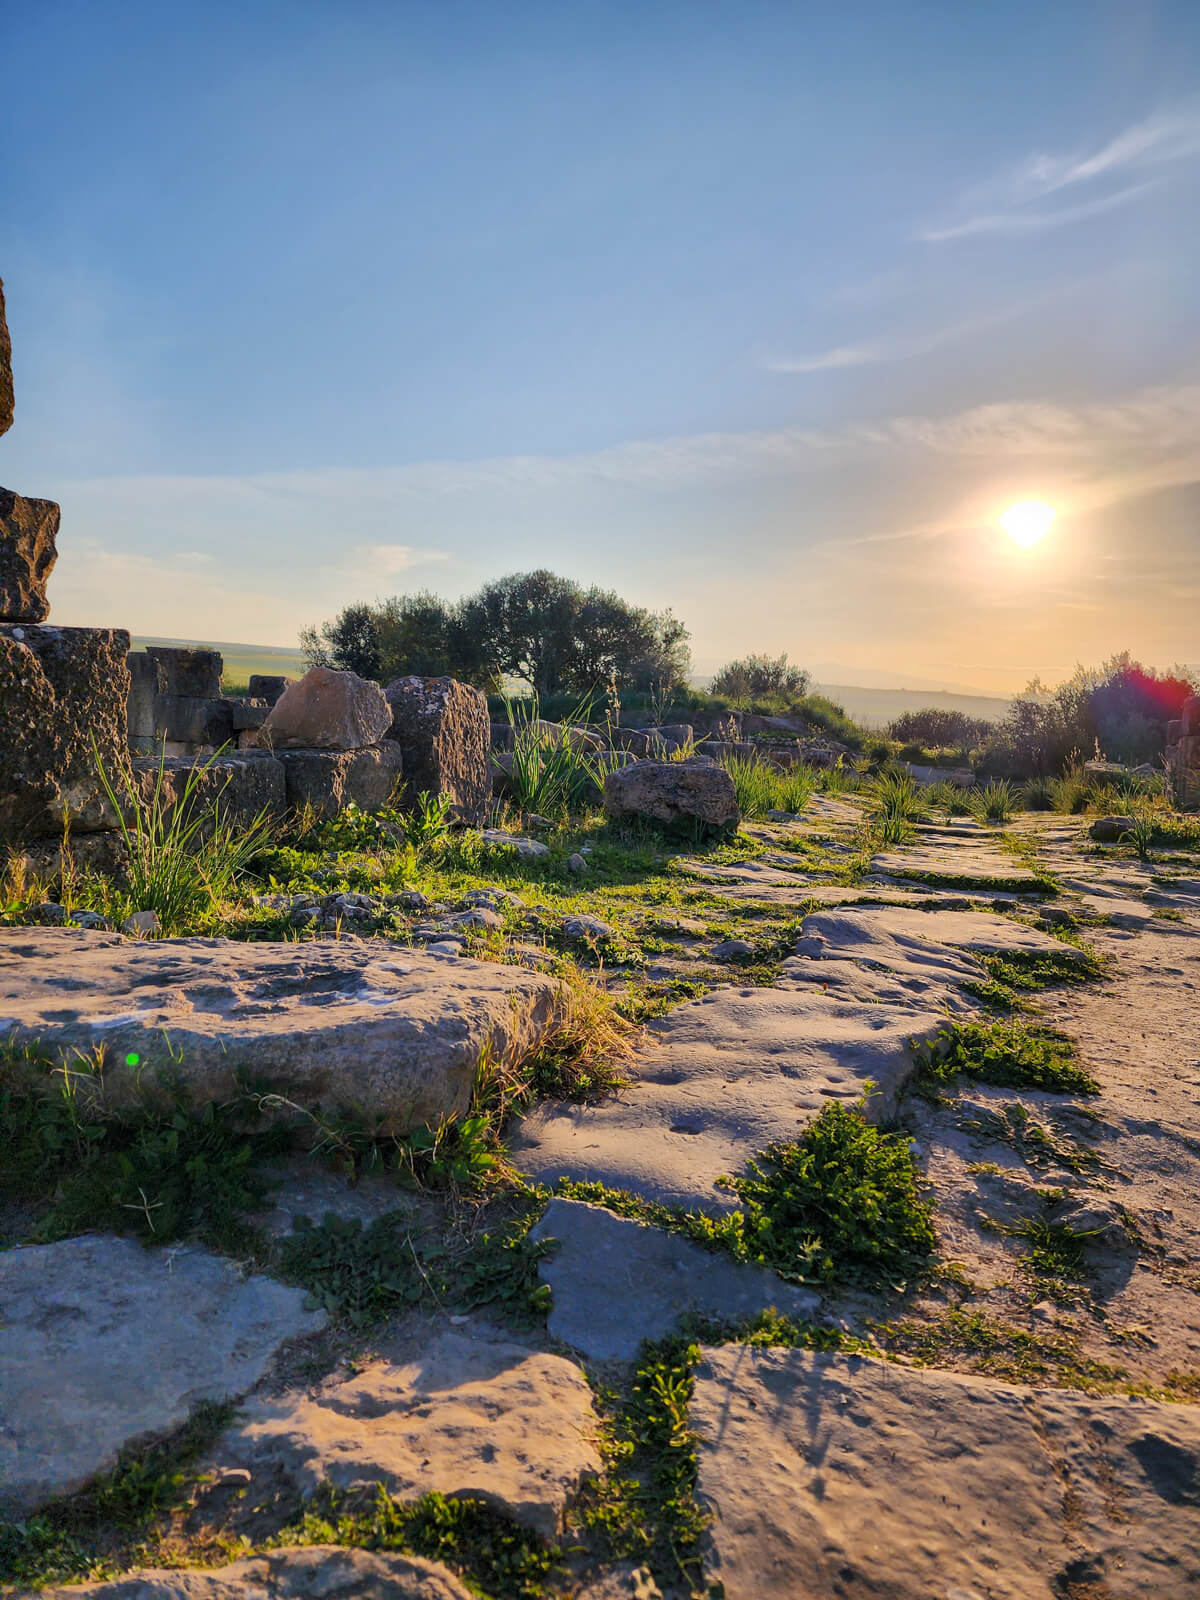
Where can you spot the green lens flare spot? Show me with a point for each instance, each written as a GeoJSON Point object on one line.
{"type": "Point", "coordinates": [132, 1059]}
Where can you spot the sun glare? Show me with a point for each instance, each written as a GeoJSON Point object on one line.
{"type": "Point", "coordinates": [1028, 522]}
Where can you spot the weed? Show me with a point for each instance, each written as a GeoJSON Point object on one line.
{"type": "Point", "coordinates": [554, 771]}
{"type": "Point", "coordinates": [1038, 1144]}
{"type": "Point", "coordinates": [183, 856]}
{"type": "Point", "coordinates": [497, 1555]}
{"type": "Point", "coordinates": [761, 788]}
{"type": "Point", "coordinates": [360, 1274]}
{"type": "Point", "coordinates": [1013, 1055]}
{"type": "Point", "coordinates": [999, 1349]}
{"type": "Point", "coordinates": [645, 1508]}
{"type": "Point", "coordinates": [894, 803]}
{"type": "Point", "coordinates": [994, 803]}
{"type": "Point", "coordinates": [840, 1204]}
{"type": "Point", "coordinates": [1037, 795]}
{"type": "Point", "coordinates": [1055, 1250]}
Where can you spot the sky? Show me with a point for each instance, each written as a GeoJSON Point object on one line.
{"type": "Point", "coordinates": [760, 312]}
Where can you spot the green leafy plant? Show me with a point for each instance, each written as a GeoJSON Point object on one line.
{"type": "Point", "coordinates": [761, 788]}
{"type": "Point", "coordinates": [1011, 1054]}
{"type": "Point", "coordinates": [360, 1274]}
{"type": "Point", "coordinates": [894, 803]}
{"type": "Point", "coordinates": [554, 771]}
{"type": "Point", "coordinates": [994, 803]}
{"type": "Point", "coordinates": [842, 1203]}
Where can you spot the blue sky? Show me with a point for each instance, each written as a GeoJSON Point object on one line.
{"type": "Point", "coordinates": [763, 312]}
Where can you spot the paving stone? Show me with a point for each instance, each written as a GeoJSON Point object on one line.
{"type": "Point", "coordinates": [957, 863]}
{"type": "Point", "coordinates": [330, 1023]}
{"type": "Point", "coordinates": [727, 1075]}
{"type": "Point", "coordinates": [104, 1342]}
{"type": "Point", "coordinates": [617, 1282]}
{"type": "Point", "coordinates": [467, 1417]}
{"type": "Point", "coordinates": [835, 1475]}
{"type": "Point", "coordinates": [312, 1572]}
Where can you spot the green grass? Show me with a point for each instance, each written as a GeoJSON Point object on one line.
{"type": "Point", "coordinates": [1010, 1054]}
{"type": "Point", "coordinates": [994, 803]}
{"type": "Point", "coordinates": [894, 802]}
{"type": "Point", "coordinates": [761, 788]}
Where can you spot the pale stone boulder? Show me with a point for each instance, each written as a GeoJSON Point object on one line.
{"type": "Point", "coordinates": [442, 727]}
{"type": "Point", "coordinates": [28, 529]}
{"type": "Point", "coordinates": [327, 710]}
{"type": "Point", "coordinates": [55, 773]}
{"type": "Point", "coordinates": [675, 794]}
{"type": "Point", "coordinates": [309, 1572]}
{"type": "Point", "coordinates": [332, 1024]}
{"type": "Point", "coordinates": [832, 1474]}
{"type": "Point", "coordinates": [464, 1416]}
{"type": "Point", "coordinates": [105, 1342]}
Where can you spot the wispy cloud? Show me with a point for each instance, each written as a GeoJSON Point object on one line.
{"type": "Point", "coordinates": [1015, 202]}
{"type": "Point", "coordinates": [902, 347]}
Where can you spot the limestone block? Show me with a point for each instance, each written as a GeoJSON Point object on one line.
{"type": "Point", "coordinates": [675, 794]}
{"type": "Point", "coordinates": [331, 1023]}
{"type": "Point", "coordinates": [193, 719]}
{"type": "Point", "coordinates": [196, 673]}
{"type": "Point", "coordinates": [238, 787]}
{"type": "Point", "coordinates": [327, 710]}
{"type": "Point", "coordinates": [105, 1341]}
{"type": "Point", "coordinates": [147, 680]}
{"type": "Point", "coordinates": [248, 714]}
{"type": "Point", "coordinates": [60, 690]}
{"type": "Point", "coordinates": [328, 780]}
{"type": "Point", "coordinates": [267, 686]}
{"type": "Point", "coordinates": [28, 529]}
{"type": "Point", "coordinates": [442, 727]}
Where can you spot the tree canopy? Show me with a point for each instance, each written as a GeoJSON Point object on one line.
{"type": "Point", "coordinates": [537, 627]}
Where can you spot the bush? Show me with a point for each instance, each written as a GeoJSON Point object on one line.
{"type": "Point", "coordinates": [841, 1204]}
{"type": "Point", "coordinates": [936, 729]}
{"type": "Point", "coordinates": [755, 675]}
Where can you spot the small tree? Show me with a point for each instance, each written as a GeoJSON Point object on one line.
{"type": "Point", "coordinates": [756, 676]}
{"type": "Point", "coordinates": [350, 643]}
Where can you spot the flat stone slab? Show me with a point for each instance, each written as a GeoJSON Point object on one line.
{"type": "Point", "coordinates": [103, 1342]}
{"type": "Point", "coordinates": [311, 1572]}
{"type": "Point", "coordinates": [617, 1282]}
{"type": "Point", "coordinates": [835, 1475]}
{"type": "Point", "coordinates": [467, 1417]}
{"type": "Point", "coordinates": [729, 1074]}
{"type": "Point", "coordinates": [330, 1023]}
{"type": "Point", "coordinates": [908, 957]}
{"type": "Point", "coordinates": [967, 863]}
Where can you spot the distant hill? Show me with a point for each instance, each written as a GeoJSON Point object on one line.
{"type": "Point", "coordinates": [240, 659]}
{"type": "Point", "coordinates": [875, 708]}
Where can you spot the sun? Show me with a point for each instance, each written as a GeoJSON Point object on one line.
{"type": "Point", "coordinates": [1028, 522]}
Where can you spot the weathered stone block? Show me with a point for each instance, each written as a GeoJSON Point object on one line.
{"type": "Point", "coordinates": [196, 673]}
{"type": "Point", "coordinates": [264, 686]}
{"type": "Point", "coordinates": [237, 787]}
{"type": "Point", "coordinates": [329, 780]}
{"type": "Point", "coordinates": [60, 690]}
{"type": "Point", "coordinates": [28, 529]}
{"type": "Point", "coordinates": [6, 378]}
{"type": "Point", "coordinates": [191, 719]}
{"type": "Point", "coordinates": [675, 794]}
{"type": "Point", "coordinates": [443, 728]}
{"type": "Point", "coordinates": [248, 714]}
{"type": "Point", "coordinates": [1190, 716]}
{"type": "Point", "coordinates": [327, 710]}
{"type": "Point", "coordinates": [147, 680]}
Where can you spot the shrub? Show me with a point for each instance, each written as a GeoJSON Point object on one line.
{"type": "Point", "coordinates": [756, 675]}
{"type": "Point", "coordinates": [936, 729]}
{"type": "Point", "coordinates": [841, 1204]}
{"type": "Point", "coordinates": [993, 803]}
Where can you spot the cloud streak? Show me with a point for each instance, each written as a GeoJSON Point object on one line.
{"type": "Point", "coordinates": [1013, 203]}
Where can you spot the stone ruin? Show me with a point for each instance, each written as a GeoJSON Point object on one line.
{"type": "Point", "coordinates": [76, 706]}
{"type": "Point", "coordinates": [1183, 756]}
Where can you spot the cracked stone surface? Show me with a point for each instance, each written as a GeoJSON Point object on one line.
{"type": "Point", "coordinates": [729, 1074]}
{"type": "Point", "coordinates": [616, 1282]}
{"type": "Point", "coordinates": [828, 1474]}
{"type": "Point", "coordinates": [331, 1023]}
{"type": "Point", "coordinates": [105, 1342]}
{"type": "Point", "coordinates": [461, 1416]}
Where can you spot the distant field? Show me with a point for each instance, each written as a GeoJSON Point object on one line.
{"type": "Point", "coordinates": [241, 659]}
{"type": "Point", "coordinates": [875, 708]}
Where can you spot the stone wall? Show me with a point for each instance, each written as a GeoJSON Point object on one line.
{"type": "Point", "coordinates": [176, 706]}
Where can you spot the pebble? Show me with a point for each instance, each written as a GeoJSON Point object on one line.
{"type": "Point", "coordinates": [142, 925]}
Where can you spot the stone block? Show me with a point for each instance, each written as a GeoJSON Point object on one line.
{"type": "Point", "coordinates": [443, 728]}
{"type": "Point", "coordinates": [248, 714]}
{"type": "Point", "coordinates": [6, 378]}
{"type": "Point", "coordinates": [239, 787]}
{"type": "Point", "coordinates": [268, 687]}
{"type": "Point", "coordinates": [60, 690]}
{"type": "Point", "coordinates": [675, 794]}
{"type": "Point", "coordinates": [1190, 716]}
{"type": "Point", "coordinates": [328, 710]}
{"type": "Point", "coordinates": [192, 719]}
{"type": "Point", "coordinates": [195, 673]}
{"type": "Point", "coordinates": [28, 529]}
{"type": "Point", "coordinates": [328, 780]}
{"type": "Point", "coordinates": [147, 680]}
